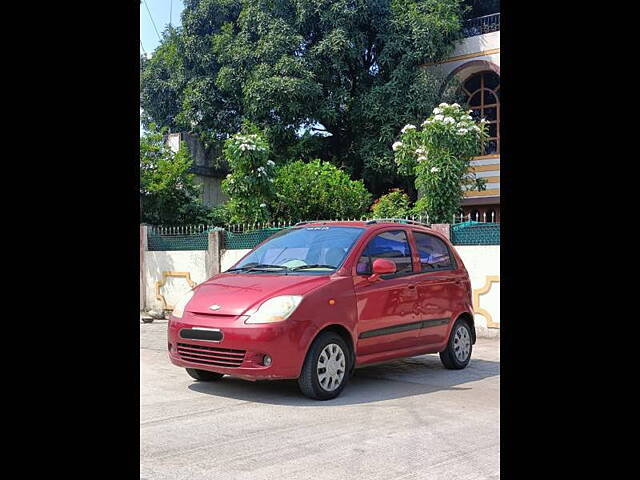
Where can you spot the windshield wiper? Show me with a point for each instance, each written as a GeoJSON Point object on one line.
{"type": "Point", "coordinates": [266, 266]}
{"type": "Point", "coordinates": [258, 266]}
{"type": "Point", "coordinates": [315, 265]}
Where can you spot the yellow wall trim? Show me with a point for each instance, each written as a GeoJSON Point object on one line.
{"type": "Point", "coordinates": [487, 193]}
{"type": "Point", "coordinates": [465, 57]}
{"type": "Point", "coordinates": [485, 157]}
{"type": "Point", "coordinates": [484, 168]}
{"type": "Point", "coordinates": [492, 179]}
{"type": "Point", "coordinates": [160, 283]}
{"type": "Point", "coordinates": [489, 281]}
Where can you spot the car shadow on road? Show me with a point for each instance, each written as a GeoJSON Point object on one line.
{"type": "Point", "coordinates": [391, 380]}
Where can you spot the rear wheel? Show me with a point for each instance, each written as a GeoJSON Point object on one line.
{"type": "Point", "coordinates": [326, 368]}
{"type": "Point", "coordinates": [458, 352]}
{"type": "Point", "coordinates": [204, 375]}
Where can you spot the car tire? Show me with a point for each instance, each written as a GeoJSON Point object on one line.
{"type": "Point", "coordinates": [325, 383]}
{"type": "Point", "coordinates": [459, 347]}
{"type": "Point", "coordinates": [204, 375]}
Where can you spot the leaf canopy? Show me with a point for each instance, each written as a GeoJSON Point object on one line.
{"type": "Point", "coordinates": [327, 79]}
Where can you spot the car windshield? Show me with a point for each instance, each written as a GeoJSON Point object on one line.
{"type": "Point", "coordinates": [313, 249]}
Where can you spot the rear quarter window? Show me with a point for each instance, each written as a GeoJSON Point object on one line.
{"type": "Point", "coordinates": [434, 253]}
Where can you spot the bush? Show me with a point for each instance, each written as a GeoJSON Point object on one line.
{"type": "Point", "coordinates": [394, 204]}
{"type": "Point", "coordinates": [219, 216]}
{"type": "Point", "coordinates": [318, 190]}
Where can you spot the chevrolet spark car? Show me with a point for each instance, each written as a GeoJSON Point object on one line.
{"type": "Point", "coordinates": [317, 300]}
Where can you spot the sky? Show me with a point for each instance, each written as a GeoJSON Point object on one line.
{"type": "Point", "coordinates": [162, 12]}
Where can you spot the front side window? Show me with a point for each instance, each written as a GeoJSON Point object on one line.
{"type": "Point", "coordinates": [392, 245]}
{"type": "Point", "coordinates": [314, 249]}
{"type": "Point", "coordinates": [434, 254]}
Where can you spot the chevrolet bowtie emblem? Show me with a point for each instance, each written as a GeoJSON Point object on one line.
{"type": "Point", "coordinates": [215, 307]}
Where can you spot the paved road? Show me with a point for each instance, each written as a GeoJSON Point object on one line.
{"type": "Point", "coordinates": [407, 419]}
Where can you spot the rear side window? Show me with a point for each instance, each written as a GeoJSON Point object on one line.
{"type": "Point", "coordinates": [433, 252]}
{"type": "Point", "coordinates": [392, 245]}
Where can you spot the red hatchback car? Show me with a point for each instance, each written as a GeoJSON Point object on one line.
{"type": "Point", "coordinates": [317, 300]}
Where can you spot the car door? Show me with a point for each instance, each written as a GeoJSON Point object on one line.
{"type": "Point", "coordinates": [439, 287]}
{"type": "Point", "coordinates": [387, 307]}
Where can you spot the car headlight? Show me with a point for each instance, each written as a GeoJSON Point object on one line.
{"type": "Point", "coordinates": [178, 310]}
{"type": "Point", "coordinates": [276, 309]}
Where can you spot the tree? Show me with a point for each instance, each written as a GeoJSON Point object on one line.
{"type": "Point", "coordinates": [327, 79]}
{"type": "Point", "coordinates": [439, 155]}
{"type": "Point", "coordinates": [167, 193]}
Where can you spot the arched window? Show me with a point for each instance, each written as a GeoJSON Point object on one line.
{"type": "Point", "coordinates": [482, 92]}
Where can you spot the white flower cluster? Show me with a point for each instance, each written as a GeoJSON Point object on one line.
{"type": "Point", "coordinates": [248, 142]}
{"type": "Point", "coordinates": [422, 154]}
{"type": "Point", "coordinates": [453, 117]}
{"type": "Point", "coordinates": [446, 114]}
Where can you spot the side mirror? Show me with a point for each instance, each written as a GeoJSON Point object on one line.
{"type": "Point", "coordinates": [382, 266]}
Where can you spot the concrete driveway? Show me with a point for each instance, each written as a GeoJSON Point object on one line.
{"type": "Point", "coordinates": [407, 419]}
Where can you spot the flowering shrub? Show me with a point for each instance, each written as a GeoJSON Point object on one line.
{"type": "Point", "coordinates": [318, 190]}
{"type": "Point", "coordinates": [395, 204]}
{"type": "Point", "coordinates": [439, 155]}
{"type": "Point", "coordinates": [250, 185]}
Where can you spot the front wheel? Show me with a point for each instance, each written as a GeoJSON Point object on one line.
{"type": "Point", "coordinates": [458, 352]}
{"type": "Point", "coordinates": [325, 370]}
{"type": "Point", "coordinates": [204, 375]}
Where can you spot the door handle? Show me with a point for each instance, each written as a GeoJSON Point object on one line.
{"type": "Point", "coordinates": [412, 286]}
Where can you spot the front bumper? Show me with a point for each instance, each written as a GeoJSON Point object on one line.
{"type": "Point", "coordinates": [241, 351]}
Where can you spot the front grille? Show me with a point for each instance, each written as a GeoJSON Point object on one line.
{"type": "Point", "coordinates": [221, 357]}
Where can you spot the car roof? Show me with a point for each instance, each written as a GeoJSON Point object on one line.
{"type": "Point", "coordinates": [375, 223]}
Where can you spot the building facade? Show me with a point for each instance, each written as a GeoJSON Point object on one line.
{"type": "Point", "coordinates": [475, 64]}
{"type": "Point", "coordinates": [208, 174]}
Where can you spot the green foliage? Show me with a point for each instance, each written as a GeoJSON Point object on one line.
{"type": "Point", "coordinates": [347, 72]}
{"type": "Point", "coordinates": [167, 193]}
{"type": "Point", "coordinates": [420, 207]}
{"type": "Point", "coordinates": [395, 204]}
{"type": "Point", "coordinates": [318, 190]}
{"type": "Point", "coordinates": [439, 155]}
{"type": "Point", "coordinates": [219, 216]}
{"type": "Point", "coordinates": [162, 81]}
{"type": "Point", "coordinates": [250, 185]}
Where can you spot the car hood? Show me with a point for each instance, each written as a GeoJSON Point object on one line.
{"type": "Point", "coordinates": [236, 294]}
